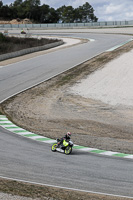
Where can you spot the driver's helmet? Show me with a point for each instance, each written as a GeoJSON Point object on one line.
{"type": "Point", "coordinates": [68, 134]}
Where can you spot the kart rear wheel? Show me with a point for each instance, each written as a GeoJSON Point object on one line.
{"type": "Point", "coordinates": [68, 150]}
{"type": "Point", "coordinates": [53, 148]}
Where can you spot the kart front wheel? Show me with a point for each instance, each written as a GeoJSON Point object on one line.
{"type": "Point", "coordinates": [68, 150]}
{"type": "Point", "coordinates": [53, 148]}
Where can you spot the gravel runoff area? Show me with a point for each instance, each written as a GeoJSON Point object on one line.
{"type": "Point", "coordinates": [112, 85]}
{"type": "Point", "coordinates": [51, 109]}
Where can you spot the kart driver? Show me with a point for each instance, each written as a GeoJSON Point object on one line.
{"type": "Point", "coordinates": [66, 138]}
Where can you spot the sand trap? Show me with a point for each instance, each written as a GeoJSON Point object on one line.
{"type": "Point", "coordinates": [112, 85]}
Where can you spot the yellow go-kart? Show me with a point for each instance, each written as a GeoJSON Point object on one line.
{"type": "Point", "coordinates": [66, 147]}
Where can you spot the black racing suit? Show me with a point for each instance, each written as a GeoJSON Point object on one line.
{"type": "Point", "coordinates": [67, 138]}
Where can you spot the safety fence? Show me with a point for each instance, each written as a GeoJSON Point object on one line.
{"type": "Point", "coordinates": [68, 25]}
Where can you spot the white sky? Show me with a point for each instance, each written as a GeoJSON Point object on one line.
{"type": "Point", "coordinates": [105, 10]}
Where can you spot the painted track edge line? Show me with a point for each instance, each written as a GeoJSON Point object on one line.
{"type": "Point", "coordinates": [119, 45]}
{"type": "Point", "coordinates": [66, 188]}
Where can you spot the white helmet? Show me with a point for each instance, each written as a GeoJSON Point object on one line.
{"type": "Point", "coordinates": [69, 134]}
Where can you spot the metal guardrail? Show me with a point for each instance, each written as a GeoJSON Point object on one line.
{"type": "Point", "coordinates": [68, 25]}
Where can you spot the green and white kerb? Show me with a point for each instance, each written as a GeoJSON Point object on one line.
{"type": "Point", "coordinates": [8, 125]}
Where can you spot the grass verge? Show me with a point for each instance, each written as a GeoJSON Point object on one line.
{"type": "Point", "coordinates": [12, 44]}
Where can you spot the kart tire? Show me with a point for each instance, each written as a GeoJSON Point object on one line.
{"type": "Point", "coordinates": [53, 148]}
{"type": "Point", "coordinates": [68, 150]}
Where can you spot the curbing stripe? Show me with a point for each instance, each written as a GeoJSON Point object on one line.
{"type": "Point", "coordinates": [43, 139]}
{"type": "Point", "coordinates": [3, 120]}
{"type": "Point", "coordinates": [121, 154]}
{"type": "Point", "coordinates": [88, 149]}
{"type": "Point", "coordinates": [78, 147]}
{"type": "Point", "coordinates": [98, 151]}
{"type": "Point", "coordinates": [117, 46]}
{"type": "Point", "coordinates": [109, 153]}
{"type": "Point", "coordinates": [5, 123]}
{"type": "Point", "coordinates": [36, 137]}
{"type": "Point", "coordinates": [131, 156]}
{"type": "Point", "coordinates": [19, 130]}
{"type": "Point", "coordinates": [11, 126]}
{"type": "Point", "coordinates": [30, 135]}
{"type": "Point", "coordinates": [23, 133]}
{"type": "Point", "coordinates": [50, 141]}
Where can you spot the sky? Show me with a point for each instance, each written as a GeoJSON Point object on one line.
{"type": "Point", "coordinates": [105, 10]}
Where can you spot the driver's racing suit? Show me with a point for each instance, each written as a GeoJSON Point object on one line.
{"type": "Point", "coordinates": [66, 138]}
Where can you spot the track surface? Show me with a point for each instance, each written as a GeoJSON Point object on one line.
{"type": "Point", "coordinates": [33, 161]}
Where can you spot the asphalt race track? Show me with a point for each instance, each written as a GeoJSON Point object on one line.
{"type": "Point", "coordinates": [29, 160]}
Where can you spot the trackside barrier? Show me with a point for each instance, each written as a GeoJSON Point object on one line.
{"type": "Point", "coordinates": [29, 50]}
{"type": "Point", "coordinates": [68, 25]}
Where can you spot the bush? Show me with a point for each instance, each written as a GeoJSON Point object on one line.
{"type": "Point", "coordinates": [12, 44]}
{"type": "Point", "coordinates": [2, 38]}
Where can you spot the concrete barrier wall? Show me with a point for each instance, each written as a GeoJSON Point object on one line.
{"type": "Point", "coordinates": [29, 50]}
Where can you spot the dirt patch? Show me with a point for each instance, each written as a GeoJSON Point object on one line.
{"type": "Point", "coordinates": [48, 193]}
{"type": "Point", "coordinates": [16, 21]}
{"type": "Point", "coordinates": [50, 110]}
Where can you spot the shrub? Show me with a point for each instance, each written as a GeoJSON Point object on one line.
{"type": "Point", "coordinates": [12, 44]}
{"type": "Point", "coordinates": [2, 38]}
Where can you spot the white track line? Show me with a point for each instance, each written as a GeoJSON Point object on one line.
{"type": "Point", "coordinates": [66, 188]}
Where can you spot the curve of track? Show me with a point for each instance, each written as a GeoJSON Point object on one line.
{"type": "Point", "coordinates": [29, 160]}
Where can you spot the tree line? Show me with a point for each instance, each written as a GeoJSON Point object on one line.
{"type": "Point", "coordinates": [38, 13]}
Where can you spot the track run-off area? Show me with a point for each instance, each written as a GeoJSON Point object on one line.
{"type": "Point", "coordinates": [32, 161]}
